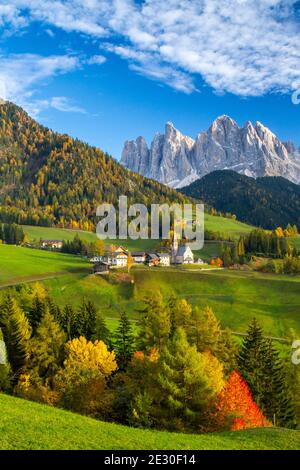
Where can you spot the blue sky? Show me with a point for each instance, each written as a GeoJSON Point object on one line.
{"type": "Point", "coordinates": [110, 70]}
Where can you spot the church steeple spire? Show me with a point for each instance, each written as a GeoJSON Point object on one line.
{"type": "Point", "coordinates": [174, 246]}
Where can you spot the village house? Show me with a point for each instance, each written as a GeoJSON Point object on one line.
{"type": "Point", "coordinates": [52, 244]}
{"type": "Point", "coordinates": [117, 259]}
{"type": "Point", "coordinates": [138, 257]}
{"type": "Point", "coordinates": [101, 267]}
{"type": "Point", "coordinates": [164, 259]}
{"type": "Point", "coordinates": [152, 259]}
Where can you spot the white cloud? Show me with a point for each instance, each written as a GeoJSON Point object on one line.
{"type": "Point", "coordinates": [244, 47]}
{"type": "Point", "coordinates": [96, 60]}
{"type": "Point", "coordinates": [61, 103]}
{"type": "Point", "coordinates": [21, 73]}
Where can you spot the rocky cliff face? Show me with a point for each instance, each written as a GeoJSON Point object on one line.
{"type": "Point", "coordinates": [177, 160]}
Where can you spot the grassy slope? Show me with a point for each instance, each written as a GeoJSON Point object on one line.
{"type": "Point", "coordinates": [217, 224]}
{"type": "Point", "coordinates": [236, 297]}
{"type": "Point", "coordinates": [50, 428]}
{"type": "Point", "coordinates": [35, 233]}
{"type": "Point", "coordinates": [17, 263]}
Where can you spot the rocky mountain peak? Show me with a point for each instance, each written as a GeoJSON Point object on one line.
{"type": "Point", "coordinates": [176, 160]}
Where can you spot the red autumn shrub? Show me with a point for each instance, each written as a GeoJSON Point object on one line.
{"type": "Point", "coordinates": [236, 408]}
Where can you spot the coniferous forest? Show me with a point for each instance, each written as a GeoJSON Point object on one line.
{"type": "Point", "coordinates": [52, 179]}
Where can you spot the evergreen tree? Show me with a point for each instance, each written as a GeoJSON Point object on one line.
{"type": "Point", "coordinates": [68, 322]}
{"type": "Point", "coordinates": [102, 332]}
{"type": "Point", "coordinates": [155, 324]}
{"type": "Point", "coordinates": [86, 319]}
{"type": "Point", "coordinates": [36, 312]}
{"type": "Point", "coordinates": [47, 348]}
{"type": "Point", "coordinates": [16, 332]}
{"type": "Point", "coordinates": [249, 356]}
{"type": "Point", "coordinates": [261, 367]}
{"type": "Point", "coordinates": [227, 351]}
{"type": "Point", "coordinates": [124, 342]}
{"type": "Point", "coordinates": [180, 314]}
{"type": "Point", "coordinates": [205, 330]}
{"type": "Point", "coordinates": [183, 386]}
{"type": "Point", "coordinates": [241, 248]}
{"type": "Point", "coordinates": [4, 366]}
{"type": "Point", "coordinates": [227, 257]}
{"type": "Point", "coordinates": [53, 309]}
{"type": "Point", "coordinates": [234, 253]}
{"type": "Point", "coordinates": [279, 400]}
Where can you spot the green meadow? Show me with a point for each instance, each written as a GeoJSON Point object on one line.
{"type": "Point", "coordinates": [235, 296]}
{"type": "Point", "coordinates": [18, 264]}
{"type": "Point", "coordinates": [51, 428]}
{"type": "Point", "coordinates": [234, 228]}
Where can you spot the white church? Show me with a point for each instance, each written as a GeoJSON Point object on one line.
{"type": "Point", "coordinates": [181, 254]}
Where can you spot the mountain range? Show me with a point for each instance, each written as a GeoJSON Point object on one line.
{"type": "Point", "coordinates": [177, 160]}
{"type": "Point", "coordinates": [267, 202]}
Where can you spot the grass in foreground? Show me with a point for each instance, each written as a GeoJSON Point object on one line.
{"type": "Point", "coordinates": [27, 425]}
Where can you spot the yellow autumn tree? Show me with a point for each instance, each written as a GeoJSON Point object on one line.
{"type": "Point", "coordinates": [213, 371]}
{"type": "Point", "coordinates": [129, 261]}
{"type": "Point", "coordinates": [81, 385]}
{"type": "Point", "coordinates": [83, 354]}
{"type": "Point", "coordinates": [279, 232]}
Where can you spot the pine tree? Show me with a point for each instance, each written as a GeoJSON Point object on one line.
{"type": "Point", "coordinates": [261, 367]}
{"type": "Point", "coordinates": [36, 312]}
{"type": "Point", "coordinates": [180, 314]}
{"type": "Point", "coordinates": [47, 348]}
{"type": "Point", "coordinates": [249, 356]}
{"type": "Point", "coordinates": [124, 342]}
{"type": "Point", "coordinates": [54, 309]}
{"type": "Point", "coordinates": [205, 330]}
{"type": "Point", "coordinates": [227, 351]}
{"type": "Point", "coordinates": [241, 248]}
{"type": "Point", "coordinates": [68, 322]}
{"type": "Point", "coordinates": [277, 402]}
{"type": "Point", "coordinates": [4, 366]}
{"type": "Point", "coordinates": [183, 385]}
{"type": "Point", "coordinates": [155, 324]}
{"type": "Point", "coordinates": [86, 319]}
{"type": "Point", "coordinates": [234, 253]}
{"type": "Point", "coordinates": [16, 332]}
{"type": "Point", "coordinates": [102, 332]}
{"type": "Point", "coordinates": [226, 257]}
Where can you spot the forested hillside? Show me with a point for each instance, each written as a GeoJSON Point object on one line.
{"type": "Point", "coordinates": [48, 178]}
{"type": "Point", "coordinates": [266, 202]}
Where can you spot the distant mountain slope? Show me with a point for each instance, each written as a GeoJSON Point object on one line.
{"type": "Point", "coordinates": [266, 202]}
{"type": "Point", "coordinates": [177, 160]}
{"type": "Point", "coordinates": [47, 178]}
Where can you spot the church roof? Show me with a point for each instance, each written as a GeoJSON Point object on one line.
{"type": "Point", "coordinates": [182, 250]}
